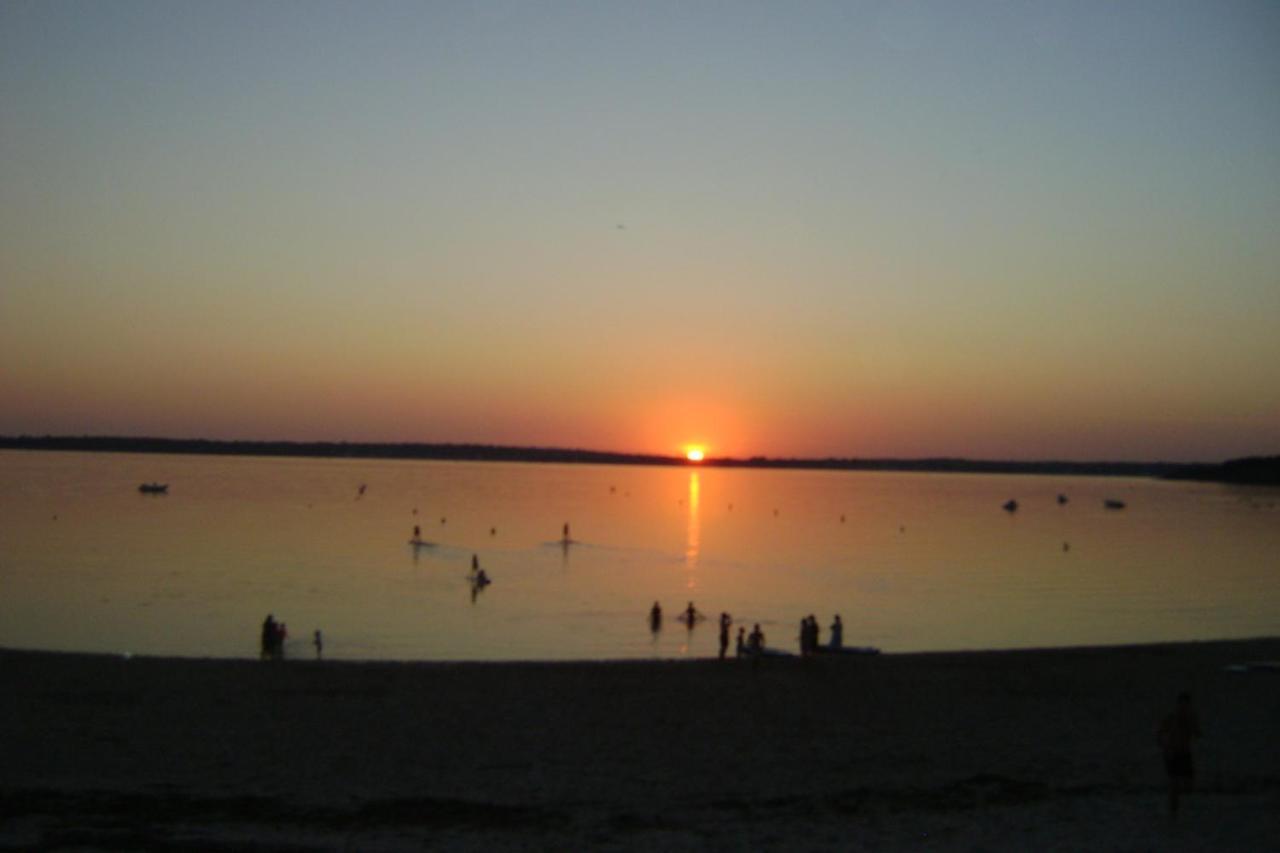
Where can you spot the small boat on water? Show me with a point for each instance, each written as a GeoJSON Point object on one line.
{"type": "Point", "coordinates": [154, 488]}
{"type": "Point", "coordinates": [1112, 503]}
{"type": "Point", "coordinates": [1010, 506]}
{"type": "Point", "coordinates": [1062, 499]}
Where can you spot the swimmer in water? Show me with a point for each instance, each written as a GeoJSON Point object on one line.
{"type": "Point", "coordinates": [690, 614]}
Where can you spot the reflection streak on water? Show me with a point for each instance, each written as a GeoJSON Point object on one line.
{"type": "Point", "coordinates": [694, 533]}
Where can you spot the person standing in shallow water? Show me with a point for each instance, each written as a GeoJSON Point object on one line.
{"type": "Point", "coordinates": [690, 615]}
{"type": "Point", "coordinates": [1176, 732]}
{"type": "Point", "coordinates": [725, 622]}
{"type": "Point", "coordinates": [755, 645]}
{"type": "Point", "coordinates": [268, 635]}
{"type": "Point", "coordinates": [655, 618]}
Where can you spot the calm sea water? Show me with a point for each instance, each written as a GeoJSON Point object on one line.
{"type": "Point", "coordinates": [910, 561]}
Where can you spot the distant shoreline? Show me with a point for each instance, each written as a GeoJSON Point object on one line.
{"type": "Point", "coordinates": [1251, 471]}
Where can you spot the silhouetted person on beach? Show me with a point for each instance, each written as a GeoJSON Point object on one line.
{"type": "Point", "coordinates": [741, 648]}
{"type": "Point", "coordinates": [273, 634]}
{"type": "Point", "coordinates": [808, 635]}
{"type": "Point", "coordinates": [475, 563]}
{"type": "Point", "coordinates": [655, 618]}
{"type": "Point", "coordinates": [837, 634]}
{"type": "Point", "coordinates": [318, 642]}
{"type": "Point", "coordinates": [1175, 735]}
{"type": "Point", "coordinates": [417, 533]}
{"type": "Point", "coordinates": [564, 535]}
{"type": "Point", "coordinates": [725, 622]}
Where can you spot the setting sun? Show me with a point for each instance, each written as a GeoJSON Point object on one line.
{"type": "Point", "coordinates": [694, 454]}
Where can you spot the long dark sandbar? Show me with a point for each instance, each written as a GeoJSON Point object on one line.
{"type": "Point", "coordinates": [949, 751]}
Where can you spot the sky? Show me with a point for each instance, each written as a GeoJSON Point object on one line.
{"type": "Point", "coordinates": [1011, 230]}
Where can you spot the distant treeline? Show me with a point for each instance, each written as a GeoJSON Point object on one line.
{"type": "Point", "coordinates": [1250, 471]}
{"type": "Point", "coordinates": [1254, 470]}
{"type": "Point", "coordinates": [332, 450]}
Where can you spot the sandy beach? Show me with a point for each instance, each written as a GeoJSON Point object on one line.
{"type": "Point", "coordinates": [1051, 749]}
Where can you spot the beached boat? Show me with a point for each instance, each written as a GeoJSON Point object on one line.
{"type": "Point", "coordinates": [154, 488]}
{"type": "Point", "coordinates": [1112, 503]}
{"type": "Point", "coordinates": [1010, 506]}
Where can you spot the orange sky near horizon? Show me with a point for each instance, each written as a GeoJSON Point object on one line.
{"type": "Point", "coordinates": [866, 230]}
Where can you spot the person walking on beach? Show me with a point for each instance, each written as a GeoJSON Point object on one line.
{"type": "Point", "coordinates": [1176, 732]}
{"type": "Point", "coordinates": [837, 634]}
{"type": "Point", "coordinates": [655, 618]}
{"type": "Point", "coordinates": [742, 640]}
{"type": "Point", "coordinates": [318, 642]}
{"type": "Point", "coordinates": [725, 622]}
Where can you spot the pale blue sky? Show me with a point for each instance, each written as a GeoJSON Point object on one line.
{"type": "Point", "coordinates": [984, 229]}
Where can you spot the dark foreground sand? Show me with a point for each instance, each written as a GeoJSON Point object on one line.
{"type": "Point", "coordinates": [1015, 750]}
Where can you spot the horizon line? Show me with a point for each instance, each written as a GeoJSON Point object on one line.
{"type": "Point", "coordinates": [482, 452]}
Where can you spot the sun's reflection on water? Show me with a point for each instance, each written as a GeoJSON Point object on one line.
{"type": "Point", "coordinates": [692, 540]}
